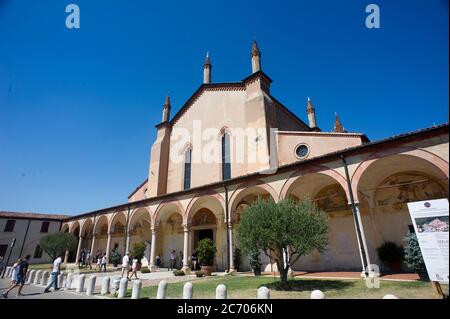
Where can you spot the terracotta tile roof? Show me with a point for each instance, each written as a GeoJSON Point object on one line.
{"type": "Point", "coordinates": [25, 215]}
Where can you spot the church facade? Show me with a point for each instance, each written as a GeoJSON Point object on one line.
{"type": "Point", "coordinates": [231, 143]}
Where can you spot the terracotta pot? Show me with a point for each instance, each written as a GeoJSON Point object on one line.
{"type": "Point", "coordinates": [207, 270]}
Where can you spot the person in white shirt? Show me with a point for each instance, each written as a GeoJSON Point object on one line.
{"type": "Point", "coordinates": [103, 263]}
{"type": "Point", "coordinates": [126, 264]}
{"type": "Point", "coordinates": [14, 272]}
{"type": "Point", "coordinates": [54, 276]}
{"type": "Point", "coordinates": [134, 268]}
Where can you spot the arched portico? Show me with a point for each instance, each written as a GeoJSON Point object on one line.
{"type": "Point", "coordinates": [117, 233]}
{"type": "Point", "coordinates": [139, 230]}
{"type": "Point", "coordinates": [168, 229]}
{"type": "Point", "coordinates": [245, 195]}
{"type": "Point", "coordinates": [327, 192]}
{"type": "Point", "coordinates": [205, 218]}
{"type": "Point", "coordinates": [74, 229]}
{"type": "Point", "coordinates": [384, 188]}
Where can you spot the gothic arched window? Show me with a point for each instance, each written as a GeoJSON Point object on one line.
{"type": "Point", "coordinates": [187, 169]}
{"type": "Point", "coordinates": [226, 162]}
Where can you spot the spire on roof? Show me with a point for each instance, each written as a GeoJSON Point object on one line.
{"type": "Point", "coordinates": [166, 109]}
{"type": "Point", "coordinates": [338, 128]}
{"type": "Point", "coordinates": [255, 49]}
{"type": "Point", "coordinates": [207, 61]}
{"type": "Point", "coordinates": [207, 69]}
{"type": "Point", "coordinates": [309, 106]}
{"type": "Point", "coordinates": [167, 101]}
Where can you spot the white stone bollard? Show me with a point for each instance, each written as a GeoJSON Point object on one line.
{"type": "Point", "coordinates": [123, 288]}
{"type": "Point", "coordinates": [61, 277]}
{"type": "Point", "coordinates": [91, 285]}
{"type": "Point", "coordinates": [8, 271]}
{"type": "Point", "coordinates": [136, 293]}
{"type": "Point", "coordinates": [37, 277]}
{"type": "Point", "coordinates": [44, 278]}
{"type": "Point", "coordinates": [31, 275]}
{"type": "Point", "coordinates": [187, 290]}
{"type": "Point", "coordinates": [162, 290]}
{"type": "Point", "coordinates": [105, 286]}
{"type": "Point", "coordinates": [221, 292]}
{"type": "Point", "coordinates": [317, 294]}
{"type": "Point", "coordinates": [115, 283]}
{"type": "Point", "coordinates": [263, 293]}
{"type": "Point", "coordinates": [80, 287]}
{"type": "Point", "coordinates": [69, 280]}
{"type": "Point", "coordinates": [389, 296]}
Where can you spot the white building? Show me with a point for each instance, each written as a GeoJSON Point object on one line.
{"type": "Point", "coordinates": [27, 229]}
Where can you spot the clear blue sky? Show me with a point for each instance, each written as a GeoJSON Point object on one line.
{"type": "Point", "coordinates": [78, 107]}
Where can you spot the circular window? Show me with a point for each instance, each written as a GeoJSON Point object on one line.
{"type": "Point", "coordinates": [302, 151]}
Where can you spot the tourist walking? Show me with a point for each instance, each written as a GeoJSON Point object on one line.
{"type": "Point", "coordinates": [99, 262]}
{"type": "Point", "coordinates": [20, 278]}
{"type": "Point", "coordinates": [14, 272]}
{"type": "Point", "coordinates": [103, 263]}
{"type": "Point", "coordinates": [88, 260]}
{"type": "Point", "coordinates": [158, 262]}
{"type": "Point", "coordinates": [194, 260]}
{"type": "Point", "coordinates": [126, 264]}
{"type": "Point", "coordinates": [172, 257]}
{"type": "Point", "coordinates": [134, 268]}
{"type": "Point", "coordinates": [54, 275]}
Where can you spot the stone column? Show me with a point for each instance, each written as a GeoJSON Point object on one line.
{"type": "Point", "coordinates": [153, 251]}
{"type": "Point", "coordinates": [230, 236]}
{"type": "Point", "coordinates": [92, 245]}
{"type": "Point", "coordinates": [108, 246]}
{"type": "Point", "coordinates": [66, 256]}
{"type": "Point", "coordinates": [186, 268]}
{"type": "Point", "coordinates": [80, 241]}
{"type": "Point", "coordinates": [363, 236]}
{"type": "Point", "coordinates": [127, 246]}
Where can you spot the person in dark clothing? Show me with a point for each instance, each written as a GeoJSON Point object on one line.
{"type": "Point", "coordinates": [21, 276]}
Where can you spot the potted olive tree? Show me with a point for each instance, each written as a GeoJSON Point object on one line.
{"type": "Point", "coordinates": [391, 255]}
{"type": "Point", "coordinates": [255, 262]}
{"type": "Point", "coordinates": [206, 255]}
{"type": "Point", "coordinates": [115, 257]}
{"type": "Point", "coordinates": [138, 253]}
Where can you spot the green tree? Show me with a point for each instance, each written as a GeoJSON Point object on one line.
{"type": "Point", "coordinates": [138, 251]}
{"type": "Point", "coordinates": [288, 228]}
{"type": "Point", "coordinates": [57, 244]}
{"type": "Point", "coordinates": [206, 252]}
{"type": "Point", "coordinates": [413, 254]}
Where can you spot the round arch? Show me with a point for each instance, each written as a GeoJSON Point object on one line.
{"type": "Point", "coordinates": [429, 157]}
{"type": "Point", "coordinates": [287, 187]}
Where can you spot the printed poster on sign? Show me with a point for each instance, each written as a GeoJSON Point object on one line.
{"type": "Point", "coordinates": [430, 220]}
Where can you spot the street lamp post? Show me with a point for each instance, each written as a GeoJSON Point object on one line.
{"type": "Point", "coordinates": [13, 242]}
